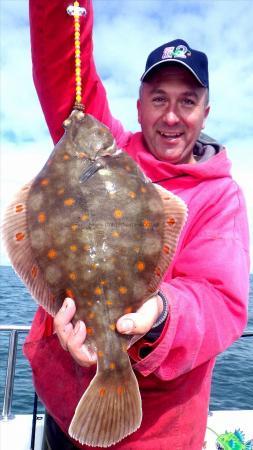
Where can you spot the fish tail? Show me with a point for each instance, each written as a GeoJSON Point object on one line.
{"type": "Point", "coordinates": [109, 410]}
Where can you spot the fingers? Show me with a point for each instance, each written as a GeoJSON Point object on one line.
{"type": "Point", "coordinates": [143, 320]}
{"type": "Point", "coordinates": [62, 321]}
{"type": "Point", "coordinates": [83, 355]}
{"type": "Point", "coordinates": [72, 338]}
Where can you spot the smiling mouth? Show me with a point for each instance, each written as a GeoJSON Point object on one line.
{"type": "Point", "coordinates": [170, 135]}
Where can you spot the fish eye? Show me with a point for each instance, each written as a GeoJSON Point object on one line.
{"type": "Point", "coordinates": [66, 123]}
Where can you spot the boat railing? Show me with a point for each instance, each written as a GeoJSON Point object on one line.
{"type": "Point", "coordinates": [14, 331]}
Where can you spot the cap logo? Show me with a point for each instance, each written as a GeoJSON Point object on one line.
{"type": "Point", "coordinates": [181, 51]}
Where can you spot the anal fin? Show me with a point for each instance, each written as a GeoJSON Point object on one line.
{"type": "Point", "coordinates": [175, 213]}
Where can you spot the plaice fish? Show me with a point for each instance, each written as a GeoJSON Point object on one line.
{"type": "Point", "coordinates": [91, 226]}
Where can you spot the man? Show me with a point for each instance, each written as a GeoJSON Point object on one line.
{"type": "Point", "coordinates": [202, 305]}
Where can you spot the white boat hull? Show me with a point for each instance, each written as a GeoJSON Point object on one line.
{"type": "Point", "coordinates": [15, 434]}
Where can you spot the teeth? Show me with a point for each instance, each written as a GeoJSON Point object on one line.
{"type": "Point", "coordinates": [169, 135]}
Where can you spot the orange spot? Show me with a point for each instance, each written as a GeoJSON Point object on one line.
{"type": "Point", "coordinates": [60, 191]}
{"type": "Point", "coordinates": [115, 234]}
{"type": "Point", "coordinates": [34, 271]}
{"type": "Point", "coordinates": [81, 155]}
{"type": "Point", "coordinates": [132, 194]}
{"type": "Point", "coordinates": [44, 182]}
{"type": "Point", "coordinates": [89, 303]}
{"type": "Point", "coordinates": [120, 390]}
{"type": "Point", "coordinates": [89, 331]}
{"type": "Point", "coordinates": [100, 354]}
{"type": "Point", "coordinates": [112, 365]}
{"type": "Point", "coordinates": [19, 208]}
{"type": "Point", "coordinates": [171, 221]}
{"type": "Point", "coordinates": [69, 293]}
{"type": "Point", "coordinates": [86, 247]}
{"type": "Point", "coordinates": [52, 253]}
{"type": "Point", "coordinates": [112, 326]}
{"type": "Point", "coordinates": [102, 392]}
{"type": "Point", "coordinates": [122, 290]}
{"type": "Point", "coordinates": [109, 302]}
{"type": "Point", "coordinates": [20, 236]}
{"type": "Point", "coordinates": [66, 157]}
{"type": "Point", "coordinates": [94, 266]}
{"type": "Point", "coordinates": [103, 282]}
{"type": "Point", "coordinates": [69, 201]}
{"type": "Point", "coordinates": [91, 315]}
{"type": "Point", "coordinates": [143, 189]}
{"type": "Point", "coordinates": [73, 248]}
{"type": "Point", "coordinates": [41, 217]}
{"type": "Point", "coordinates": [73, 276]}
{"type": "Point", "coordinates": [158, 271]}
{"type": "Point", "coordinates": [98, 290]}
{"type": "Point", "coordinates": [140, 266]}
{"type": "Point", "coordinates": [74, 227]}
{"type": "Point", "coordinates": [166, 249]}
{"type": "Point", "coordinates": [128, 310]}
{"type": "Point", "coordinates": [124, 347]}
{"type": "Point", "coordinates": [84, 217]}
{"type": "Point", "coordinates": [118, 214]}
{"type": "Point", "coordinates": [147, 224]}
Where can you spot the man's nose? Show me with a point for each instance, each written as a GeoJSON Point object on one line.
{"type": "Point", "coordinates": [171, 117]}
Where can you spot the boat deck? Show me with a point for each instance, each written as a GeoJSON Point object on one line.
{"type": "Point", "coordinates": [16, 433]}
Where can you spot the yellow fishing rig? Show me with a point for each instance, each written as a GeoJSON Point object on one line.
{"type": "Point", "coordinates": [77, 12]}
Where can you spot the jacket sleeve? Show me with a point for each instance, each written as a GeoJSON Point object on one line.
{"type": "Point", "coordinates": [207, 292]}
{"type": "Point", "coordinates": [52, 46]}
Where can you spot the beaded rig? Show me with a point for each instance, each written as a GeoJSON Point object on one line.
{"type": "Point", "coordinates": [77, 11]}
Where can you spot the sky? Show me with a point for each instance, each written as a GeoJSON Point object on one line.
{"type": "Point", "coordinates": [125, 32]}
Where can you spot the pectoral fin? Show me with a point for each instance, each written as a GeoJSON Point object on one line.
{"type": "Point", "coordinates": [92, 168]}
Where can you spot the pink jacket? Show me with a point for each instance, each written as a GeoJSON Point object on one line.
{"type": "Point", "coordinates": [206, 285]}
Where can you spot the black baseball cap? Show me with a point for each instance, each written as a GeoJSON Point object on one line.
{"type": "Point", "coordinates": [178, 51]}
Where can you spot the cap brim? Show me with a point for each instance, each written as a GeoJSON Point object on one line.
{"type": "Point", "coordinates": [173, 61]}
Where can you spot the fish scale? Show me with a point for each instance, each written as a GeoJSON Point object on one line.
{"type": "Point", "coordinates": [91, 226]}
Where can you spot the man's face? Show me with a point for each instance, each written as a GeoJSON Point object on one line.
{"type": "Point", "coordinates": [172, 109]}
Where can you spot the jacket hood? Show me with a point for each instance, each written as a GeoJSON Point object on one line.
{"type": "Point", "coordinates": [212, 161]}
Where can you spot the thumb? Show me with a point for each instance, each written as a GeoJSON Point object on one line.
{"type": "Point", "coordinates": [141, 321]}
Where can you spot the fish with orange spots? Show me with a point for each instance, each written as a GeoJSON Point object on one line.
{"type": "Point", "coordinates": [93, 227]}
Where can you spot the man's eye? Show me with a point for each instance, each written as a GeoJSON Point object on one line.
{"type": "Point", "coordinates": [188, 102]}
{"type": "Point", "coordinates": [159, 100]}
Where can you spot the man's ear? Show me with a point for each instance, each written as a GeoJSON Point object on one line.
{"type": "Point", "coordinates": [139, 110]}
{"type": "Point", "coordinates": [207, 110]}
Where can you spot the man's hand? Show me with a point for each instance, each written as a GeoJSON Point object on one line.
{"type": "Point", "coordinates": [73, 339]}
